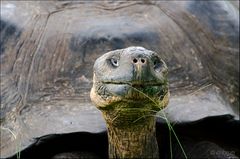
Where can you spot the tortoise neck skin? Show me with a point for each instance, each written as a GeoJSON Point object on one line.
{"type": "Point", "coordinates": [131, 129]}
{"type": "Point", "coordinates": [133, 142]}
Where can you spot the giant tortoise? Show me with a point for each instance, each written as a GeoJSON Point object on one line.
{"type": "Point", "coordinates": [48, 50]}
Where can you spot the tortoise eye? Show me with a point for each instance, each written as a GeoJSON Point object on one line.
{"type": "Point", "coordinates": [157, 64]}
{"type": "Point", "coordinates": [114, 62]}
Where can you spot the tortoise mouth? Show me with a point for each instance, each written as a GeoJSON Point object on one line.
{"type": "Point", "coordinates": [135, 84]}
{"type": "Point", "coordinates": [135, 91]}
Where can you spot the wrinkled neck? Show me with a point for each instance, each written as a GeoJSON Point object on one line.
{"type": "Point", "coordinates": [133, 142]}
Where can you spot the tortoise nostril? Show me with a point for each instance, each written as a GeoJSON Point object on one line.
{"type": "Point", "coordinates": [135, 60]}
{"type": "Point", "coordinates": [142, 60]}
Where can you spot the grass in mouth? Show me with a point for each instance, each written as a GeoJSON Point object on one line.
{"type": "Point", "coordinates": [171, 130]}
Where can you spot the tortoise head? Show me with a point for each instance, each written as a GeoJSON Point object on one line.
{"type": "Point", "coordinates": [130, 81]}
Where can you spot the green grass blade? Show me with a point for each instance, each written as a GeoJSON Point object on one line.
{"type": "Point", "coordinates": [170, 140]}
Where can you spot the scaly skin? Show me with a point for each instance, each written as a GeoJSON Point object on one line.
{"type": "Point", "coordinates": [129, 87]}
